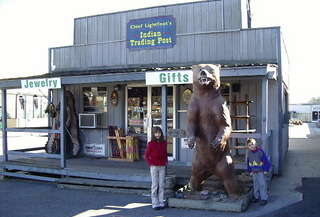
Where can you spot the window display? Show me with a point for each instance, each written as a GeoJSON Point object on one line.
{"type": "Point", "coordinates": [137, 110]}
{"type": "Point", "coordinates": [145, 113]}
{"type": "Point", "coordinates": [94, 99]}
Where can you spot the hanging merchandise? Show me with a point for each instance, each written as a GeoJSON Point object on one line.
{"type": "Point", "coordinates": [72, 136]}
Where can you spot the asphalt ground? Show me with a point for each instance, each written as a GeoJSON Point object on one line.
{"type": "Point", "coordinates": [295, 193]}
{"type": "Point", "coordinates": [308, 206]}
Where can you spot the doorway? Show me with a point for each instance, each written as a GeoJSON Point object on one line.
{"type": "Point", "coordinates": [144, 111]}
{"type": "Point", "coordinates": [315, 115]}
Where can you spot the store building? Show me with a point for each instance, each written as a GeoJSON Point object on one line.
{"type": "Point", "coordinates": [305, 112]}
{"type": "Point", "coordinates": [124, 68]}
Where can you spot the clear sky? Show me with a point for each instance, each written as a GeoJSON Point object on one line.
{"type": "Point", "coordinates": [30, 27]}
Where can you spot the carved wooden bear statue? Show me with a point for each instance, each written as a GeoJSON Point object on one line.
{"type": "Point", "coordinates": [209, 127]}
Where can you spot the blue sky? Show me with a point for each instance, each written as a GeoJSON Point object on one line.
{"type": "Point", "coordinates": [30, 27]}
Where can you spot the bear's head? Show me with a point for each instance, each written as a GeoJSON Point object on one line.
{"type": "Point", "coordinates": [206, 76]}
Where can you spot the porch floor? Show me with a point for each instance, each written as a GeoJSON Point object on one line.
{"type": "Point", "coordinates": [48, 169]}
{"type": "Point", "coordinates": [89, 167]}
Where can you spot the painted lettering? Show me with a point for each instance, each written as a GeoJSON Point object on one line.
{"type": "Point", "coordinates": [156, 24]}
{"type": "Point", "coordinates": [36, 83]}
{"type": "Point", "coordinates": [150, 34]}
{"type": "Point", "coordinates": [55, 83]}
{"type": "Point", "coordinates": [162, 77]}
{"type": "Point", "coordinates": [164, 40]}
{"type": "Point", "coordinates": [179, 77]}
{"type": "Point", "coordinates": [41, 83]}
{"type": "Point", "coordinates": [173, 78]}
{"type": "Point", "coordinates": [136, 26]}
{"type": "Point", "coordinates": [151, 42]}
{"type": "Point", "coordinates": [169, 77]}
{"type": "Point", "coordinates": [185, 78]}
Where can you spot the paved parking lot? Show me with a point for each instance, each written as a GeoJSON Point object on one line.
{"type": "Point", "coordinates": [26, 198]}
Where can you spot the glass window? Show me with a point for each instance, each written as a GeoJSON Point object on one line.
{"type": "Point", "coordinates": [94, 99]}
{"type": "Point", "coordinates": [156, 112]}
{"type": "Point", "coordinates": [137, 110]}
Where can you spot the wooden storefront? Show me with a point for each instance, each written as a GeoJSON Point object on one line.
{"type": "Point", "coordinates": [253, 68]}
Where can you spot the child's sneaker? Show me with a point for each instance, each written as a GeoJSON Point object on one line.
{"type": "Point", "coordinates": [254, 200]}
{"type": "Point", "coordinates": [263, 202]}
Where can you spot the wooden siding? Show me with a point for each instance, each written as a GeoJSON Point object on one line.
{"type": "Point", "coordinates": [190, 18]}
{"type": "Point", "coordinates": [206, 32]}
{"type": "Point", "coordinates": [273, 123]}
{"type": "Point", "coordinates": [228, 48]}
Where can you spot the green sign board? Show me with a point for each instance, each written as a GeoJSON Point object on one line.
{"type": "Point", "coordinates": [49, 83]}
{"type": "Point", "coordinates": [169, 77]}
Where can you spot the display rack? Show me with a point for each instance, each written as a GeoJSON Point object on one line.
{"type": "Point", "coordinates": [121, 147]}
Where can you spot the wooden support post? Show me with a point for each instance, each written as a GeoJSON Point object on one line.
{"type": "Point", "coordinates": [63, 162]}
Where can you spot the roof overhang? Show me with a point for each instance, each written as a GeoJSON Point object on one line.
{"type": "Point", "coordinates": [267, 71]}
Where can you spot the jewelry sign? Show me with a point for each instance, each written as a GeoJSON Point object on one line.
{"type": "Point", "coordinates": [151, 33]}
{"type": "Point", "coordinates": [47, 83]}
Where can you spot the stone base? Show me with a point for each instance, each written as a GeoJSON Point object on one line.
{"type": "Point", "coordinates": [209, 199]}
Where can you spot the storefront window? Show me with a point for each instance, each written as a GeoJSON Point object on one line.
{"type": "Point", "coordinates": [94, 99]}
{"type": "Point", "coordinates": [225, 91]}
{"type": "Point", "coordinates": [145, 113]}
{"type": "Point", "coordinates": [137, 110]}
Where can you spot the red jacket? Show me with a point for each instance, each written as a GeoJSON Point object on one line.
{"type": "Point", "coordinates": [156, 153]}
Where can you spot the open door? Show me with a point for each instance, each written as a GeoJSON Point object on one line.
{"type": "Point", "coordinates": [144, 111]}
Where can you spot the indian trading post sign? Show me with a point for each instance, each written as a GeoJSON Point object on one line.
{"type": "Point", "coordinates": [151, 33]}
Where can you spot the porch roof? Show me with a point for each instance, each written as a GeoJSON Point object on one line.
{"type": "Point", "coordinates": [136, 75]}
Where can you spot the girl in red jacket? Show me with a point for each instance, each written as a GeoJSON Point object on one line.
{"type": "Point", "coordinates": [157, 157]}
